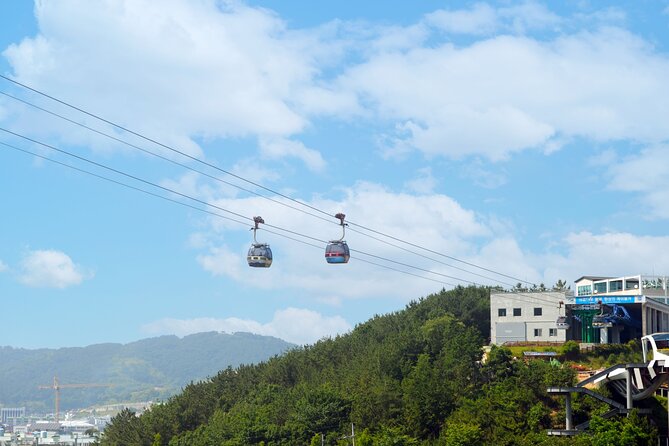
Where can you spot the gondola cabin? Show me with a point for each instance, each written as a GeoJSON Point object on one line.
{"type": "Point", "coordinates": [259, 256]}
{"type": "Point", "coordinates": [337, 252]}
{"type": "Point", "coordinates": [601, 321]}
{"type": "Point", "coordinates": [562, 323]}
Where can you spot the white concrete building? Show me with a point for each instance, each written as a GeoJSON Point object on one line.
{"type": "Point", "coordinates": [600, 310]}
{"type": "Point", "coordinates": [526, 316]}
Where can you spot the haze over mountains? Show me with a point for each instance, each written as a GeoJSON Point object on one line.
{"type": "Point", "coordinates": [149, 369]}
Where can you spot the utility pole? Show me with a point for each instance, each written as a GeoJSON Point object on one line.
{"type": "Point", "coordinates": [352, 436]}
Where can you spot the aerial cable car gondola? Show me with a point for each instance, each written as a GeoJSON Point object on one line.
{"type": "Point", "coordinates": [337, 250]}
{"type": "Point", "coordinates": [260, 255]}
{"type": "Point", "coordinates": [602, 320]}
{"type": "Point", "coordinates": [562, 322]}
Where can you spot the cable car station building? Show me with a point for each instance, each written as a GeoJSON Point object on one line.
{"type": "Point", "coordinates": [599, 310]}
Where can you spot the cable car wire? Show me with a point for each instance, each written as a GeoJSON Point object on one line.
{"type": "Point", "coordinates": [120, 183]}
{"type": "Point", "coordinates": [144, 191]}
{"type": "Point", "coordinates": [112, 137]}
{"type": "Point", "coordinates": [244, 223]}
{"type": "Point", "coordinates": [157, 155]}
{"type": "Point", "coordinates": [167, 189]}
{"type": "Point", "coordinates": [158, 143]}
{"type": "Point", "coordinates": [136, 178]}
{"type": "Point", "coordinates": [81, 110]}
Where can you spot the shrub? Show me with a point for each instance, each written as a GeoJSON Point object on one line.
{"type": "Point", "coordinates": [571, 350]}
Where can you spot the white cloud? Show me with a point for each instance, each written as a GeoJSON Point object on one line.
{"type": "Point", "coordinates": [302, 268]}
{"type": "Point", "coordinates": [644, 174]}
{"type": "Point", "coordinates": [212, 70]}
{"type": "Point", "coordinates": [449, 228]}
{"type": "Point", "coordinates": [580, 253]}
{"type": "Point", "coordinates": [481, 19]}
{"type": "Point", "coordinates": [252, 170]}
{"type": "Point", "coordinates": [528, 16]}
{"type": "Point", "coordinates": [202, 69]}
{"type": "Point", "coordinates": [190, 184]}
{"type": "Point", "coordinates": [424, 183]}
{"type": "Point", "coordinates": [397, 38]}
{"type": "Point", "coordinates": [296, 325]}
{"type": "Point", "coordinates": [609, 254]}
{"type": "Point", "coordinates": [508, 93]}
{"type": "Point", "coordinates": [3, 266]}
{"type": "Point", "coordinates": [483, 177]}
{"type": "Point", "coordinates": [220, 261]}
{"type": "Point", "coordinates": [274, 148]}
{"type": "Point", "coordinates": [50, 269]}
{"type": "Point", "coordinates": [604, 158]}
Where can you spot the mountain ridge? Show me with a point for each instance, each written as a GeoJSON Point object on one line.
{"type": "Point", "coordinates": [146, 369]}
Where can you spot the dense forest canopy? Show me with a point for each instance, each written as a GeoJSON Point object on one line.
{"type": "Point", "coordinates": [414, 377]}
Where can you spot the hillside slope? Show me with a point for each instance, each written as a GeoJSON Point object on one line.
{"type": "Point", "coordinates": [413, 377]}
{"type": "Point", "coordinates": [148, 369]}
{"type": "Point", "coordinates": [403, 372]}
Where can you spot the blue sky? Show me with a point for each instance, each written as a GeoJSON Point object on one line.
{"type": "Point", "coordinates": [529, 138]}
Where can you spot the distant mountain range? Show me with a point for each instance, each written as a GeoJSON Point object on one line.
{"type": "Point", "coordinates": [150, 369]}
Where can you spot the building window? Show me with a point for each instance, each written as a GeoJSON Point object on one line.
{"type": "Point", "coordinates": [615, 285]}
{"type": "Point", "coordinates": [552, 332]}
{"type": "Point", "coordinates": [537, 332]}
{"type": "Point", "coordinates": [537, 311]}
{"type": "Point", "coordinates": [632, 284]}
{"type": "Point", "coordinates": [517, 312]}
{"type": "Point", "coordinates": [584, 290]}
{"type": "Point", "coordinates": [600, 287]}
{"type": "Point", "coordinates": [501, 312]}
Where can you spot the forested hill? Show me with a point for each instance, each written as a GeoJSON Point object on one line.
{"type": "Point", "coordinates": [413, 377]}
{"type": "Point", "coordinates": [144, 370]}
{"type": "Point", "coordinates": [400, 376]}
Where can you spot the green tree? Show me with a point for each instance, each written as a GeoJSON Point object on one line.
{"type": "Point", "coordinates": [634, 430]}
{"type": "Point", "coordinates": [319, 410]}
{"type": "Point", "coordinates": [461, 434]}
{"type": "Point", "coordinates": [571, 350]}
{"type": "Point", "coordinates": [560, 285]}
{"type": "Point", "coordinates": [125, 429]}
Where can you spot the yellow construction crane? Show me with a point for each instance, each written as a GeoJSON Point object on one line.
{"type": "Point", "coordinates": [57, 386]}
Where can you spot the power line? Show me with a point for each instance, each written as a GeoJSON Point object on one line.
{"type": "Point", "coordinates": [320, 247]}
{"type": "Point", "coordinates": [136, 178]}
{"type": "Point", "coordinates": [159, 156]}
{"type": "Point", "coordinates": [437, 252]}
{"type": "Point", "coordinates": [162, 197]}
{"type": "Point", "coordinates": [167, 189]}
{"type": "Point", "coordinates": [158, 143]}
{"type": "Point", "coordinates": [432, 259]}
{"type": "Point", "coordinates": [114, 138]}
{"type": "Point", "coordinates": [249, 181]}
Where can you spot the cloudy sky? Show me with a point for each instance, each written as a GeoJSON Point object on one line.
{"type": "Point", "coordinates": [525, 138]}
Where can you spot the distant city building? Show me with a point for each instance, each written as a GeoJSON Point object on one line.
{"type": "Point", "coordinates": [599, 310]}
{"type": "Point", "coordinates": [9, 414]}
{"type": "Point", "coordinates": [76, 426]}
{"type": "Point", "coordinates": [44, 426]}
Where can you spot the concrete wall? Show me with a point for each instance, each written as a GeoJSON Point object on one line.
{"type": "Point", "coordinates": [522, 328]}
